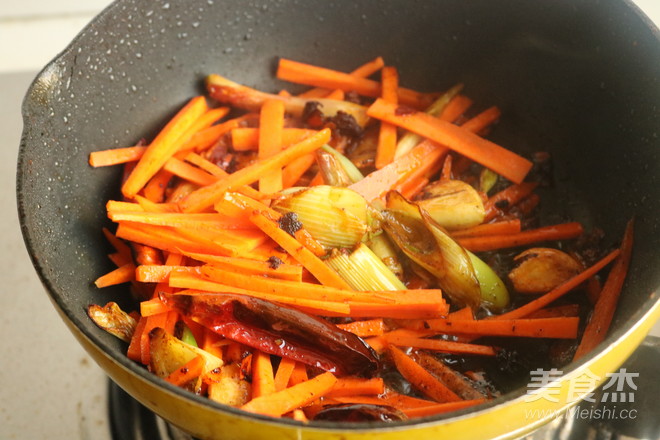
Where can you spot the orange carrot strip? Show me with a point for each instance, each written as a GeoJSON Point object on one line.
{"type": "Point", "coordinates": [153, 306]}
{"type": "Point", "coordinates": [380, 181]}
{"type": "Point", "coordinates": [387, 135]}
{"type": "Point", "coordinates": [483, 120]}
{"type": "Point", "coordinates": [561, 328]}
{"type": "Point", "coordinates": [420, 378]}
{"type": "Point", "coordinates": [159, 273]}
{"type": "Point", "coordinates": [200, 286]}
{"type": "Point", "coordinates": [120, 246]}
{"type": "Point", "coordinates": [603, 312]}
{"type": "Point", "coordinates": [263, 379]}
{"type": "Point", "coordinates": [188, 172]}
{"type": "Point", "coordinates": [271, 121]}
{"type": "Point", "coordinates": [507, 197]}
{"type": "Point", "coordinates": [299, 374]}
{"type": "Point", "coordinates": [202, 123]}
{"type": "Point", "coordinates": [115, 156]}
{"type": "Point", "coordinates": [364, 71]}
{"type": "Point", "coordinates": [441, 408]}
{"type": "Point", "coordinates": [297, 396]}
{"type": "Point", "coordinates": [247, 138]}
{"type": "Point", "coordinates": [439, 345]}
{"type": "Point", "coordinates": [191, 370]}
{"type": "Point", "coordinates": [134, 351]}
{"type": "Point", "coordinates": [560, 290]}
{"type": "Point", "coordinates": [445, 173]}
{"type": "Point", "coordinates": [283, 374]}
{"type": "Point", "coordinates": [351, 386]}
{"type": "Point", "coordinates": [322, 272]}
{"type": "Point", "coordinates": [163, 146]}
{"type": "Point", "coordinates": [563, 231]}
{"type": "Point", "coordinates": [204, 164]}
{"type": "Point", "coordinates": [455, 108]}
{"type": "Point", "coordinates": [307, 74]}
{"type": "Point", "coordinates": [155, 189]}
{"type": "Point", "coordinates": [208, 195]}
{"type": "Point", "coordinates": [504, 227]}
{"type": "Point", "coordinates": [336, 94]}
{"type": "Point", "coordinates": [390, 398]}
{"type": "Point", "coordinates": [172, 219]}
{"type": "Point", "coordinates": [296, 169]}
{"type": "Point", "coordinates": [409, 188]}
{"type": "Point", "coordinates": [422, 309]}
{"type": "Point", "coordinates": [251, 267]}
{"type": "Point", "coordinates": [487, 153]}
{"type": "Point", "coordinates": [288, 288]}
{"type": "Point", "coordinates": [122, 274]}
{"type": "Point", "coordinates": [366, 327]}
{"type": "Point", "coordinates": [169, 240]}
{"type": "Point", "coordinates": [205, 138]}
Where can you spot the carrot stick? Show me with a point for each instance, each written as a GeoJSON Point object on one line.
{"type": "Point", "coordinates": [603, 312]}
{"type": "Point", "coordinates": [439, 345]}
{"type": "Point", "coordinates": [296, 169]}
{"type": "Point", "coordinates": [271, 121]}
{"type": "Point", "coordinates": [420, 378]}
{"type": "Point", "coordinates": [176, 220]}
{"type": "Point", "coordinates": [455, 108]}
{"type": "Point", "coordinates": [163, 146]}
{"type": "Point", "coordinates": [366, 327]}
{"type": "Point", "coordinates": [299, 374]}
{"type": "Point", "coordinates": [560, 290]}
{"type": "Point", "coordinates": [563, 231]}
{"type": "Point", "coordinates": [502, 227]}
{"type": "Point", "coordinates": [159, 273]}
{"type": "Point", "coordinates": [323, 273]}
{"type": "Point", "coordinates": [445, 173]}
{"type": "Point", "coordinates": [155, 189]}
{"type": "Point", "coordinates": [115, 156]}
{"type": "Point", "coordinates": [441, 408]}
{"type": "Point", "coordinates": [351, 386]}
{"type": "Point", "coordinates": [263, 379]}
{"type": "Point", "coordinates": [490, 155]}
{"type": "Point", "coordinates": [389, 398]}
{"type": "Point", "coordinates": [153, 306]}
{"type": "Point", "coordinates": [153, 321]}
{"type": "Point", "coordinates": [364, 71]}
{"type": "Point", "coordinates": [422, 309]}
{"type": "Point", "coordinates": [247, 138]}
{"type": "Point", "coordinates": [507, 198]}
{"type": "Point", "coordinates": [205, 138]}
{"type": "Point", "coordinates": [188, 172]}
{"type": "Point", "coordinates": [307, 74]}
{"type": "Point", "coordinates": [121, 275]}
{"type": "Point", "coordinates": [380, 181]}
{"type": "Point", "coordinates": [284, 287]}
{"type": "Point", "coordinates": [283, 374]}
{"type": "Point", "coordinates": [134, 352]}
{"type": "Point", "coordinates": [208, 195]}
{"type": "Point", "coordinates": [191, 370]}
{"type": "Point", "coordinates": [483, 120]}
{"type": "Point", "coordinates": [297, 396]}
{"type": "Point", "coordinates": [247, 266]}
{"type": "Point", "coordinates": [387, 135]}
{"type": "Point", "coordinates": [120, 246]}
{"type": "Point", "coordinates": [204, 164]}
{"type": "Point", "coordinates": [561, 328]}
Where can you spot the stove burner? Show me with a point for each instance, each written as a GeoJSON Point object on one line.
{"type": "Point", "coordinates": [130, 420]}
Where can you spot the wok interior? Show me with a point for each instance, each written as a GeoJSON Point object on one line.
{"type": "Point", "coordinates": [578, 80]}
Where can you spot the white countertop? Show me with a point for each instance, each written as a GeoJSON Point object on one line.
{"type": "Point", "coordinates": [40, 398]}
